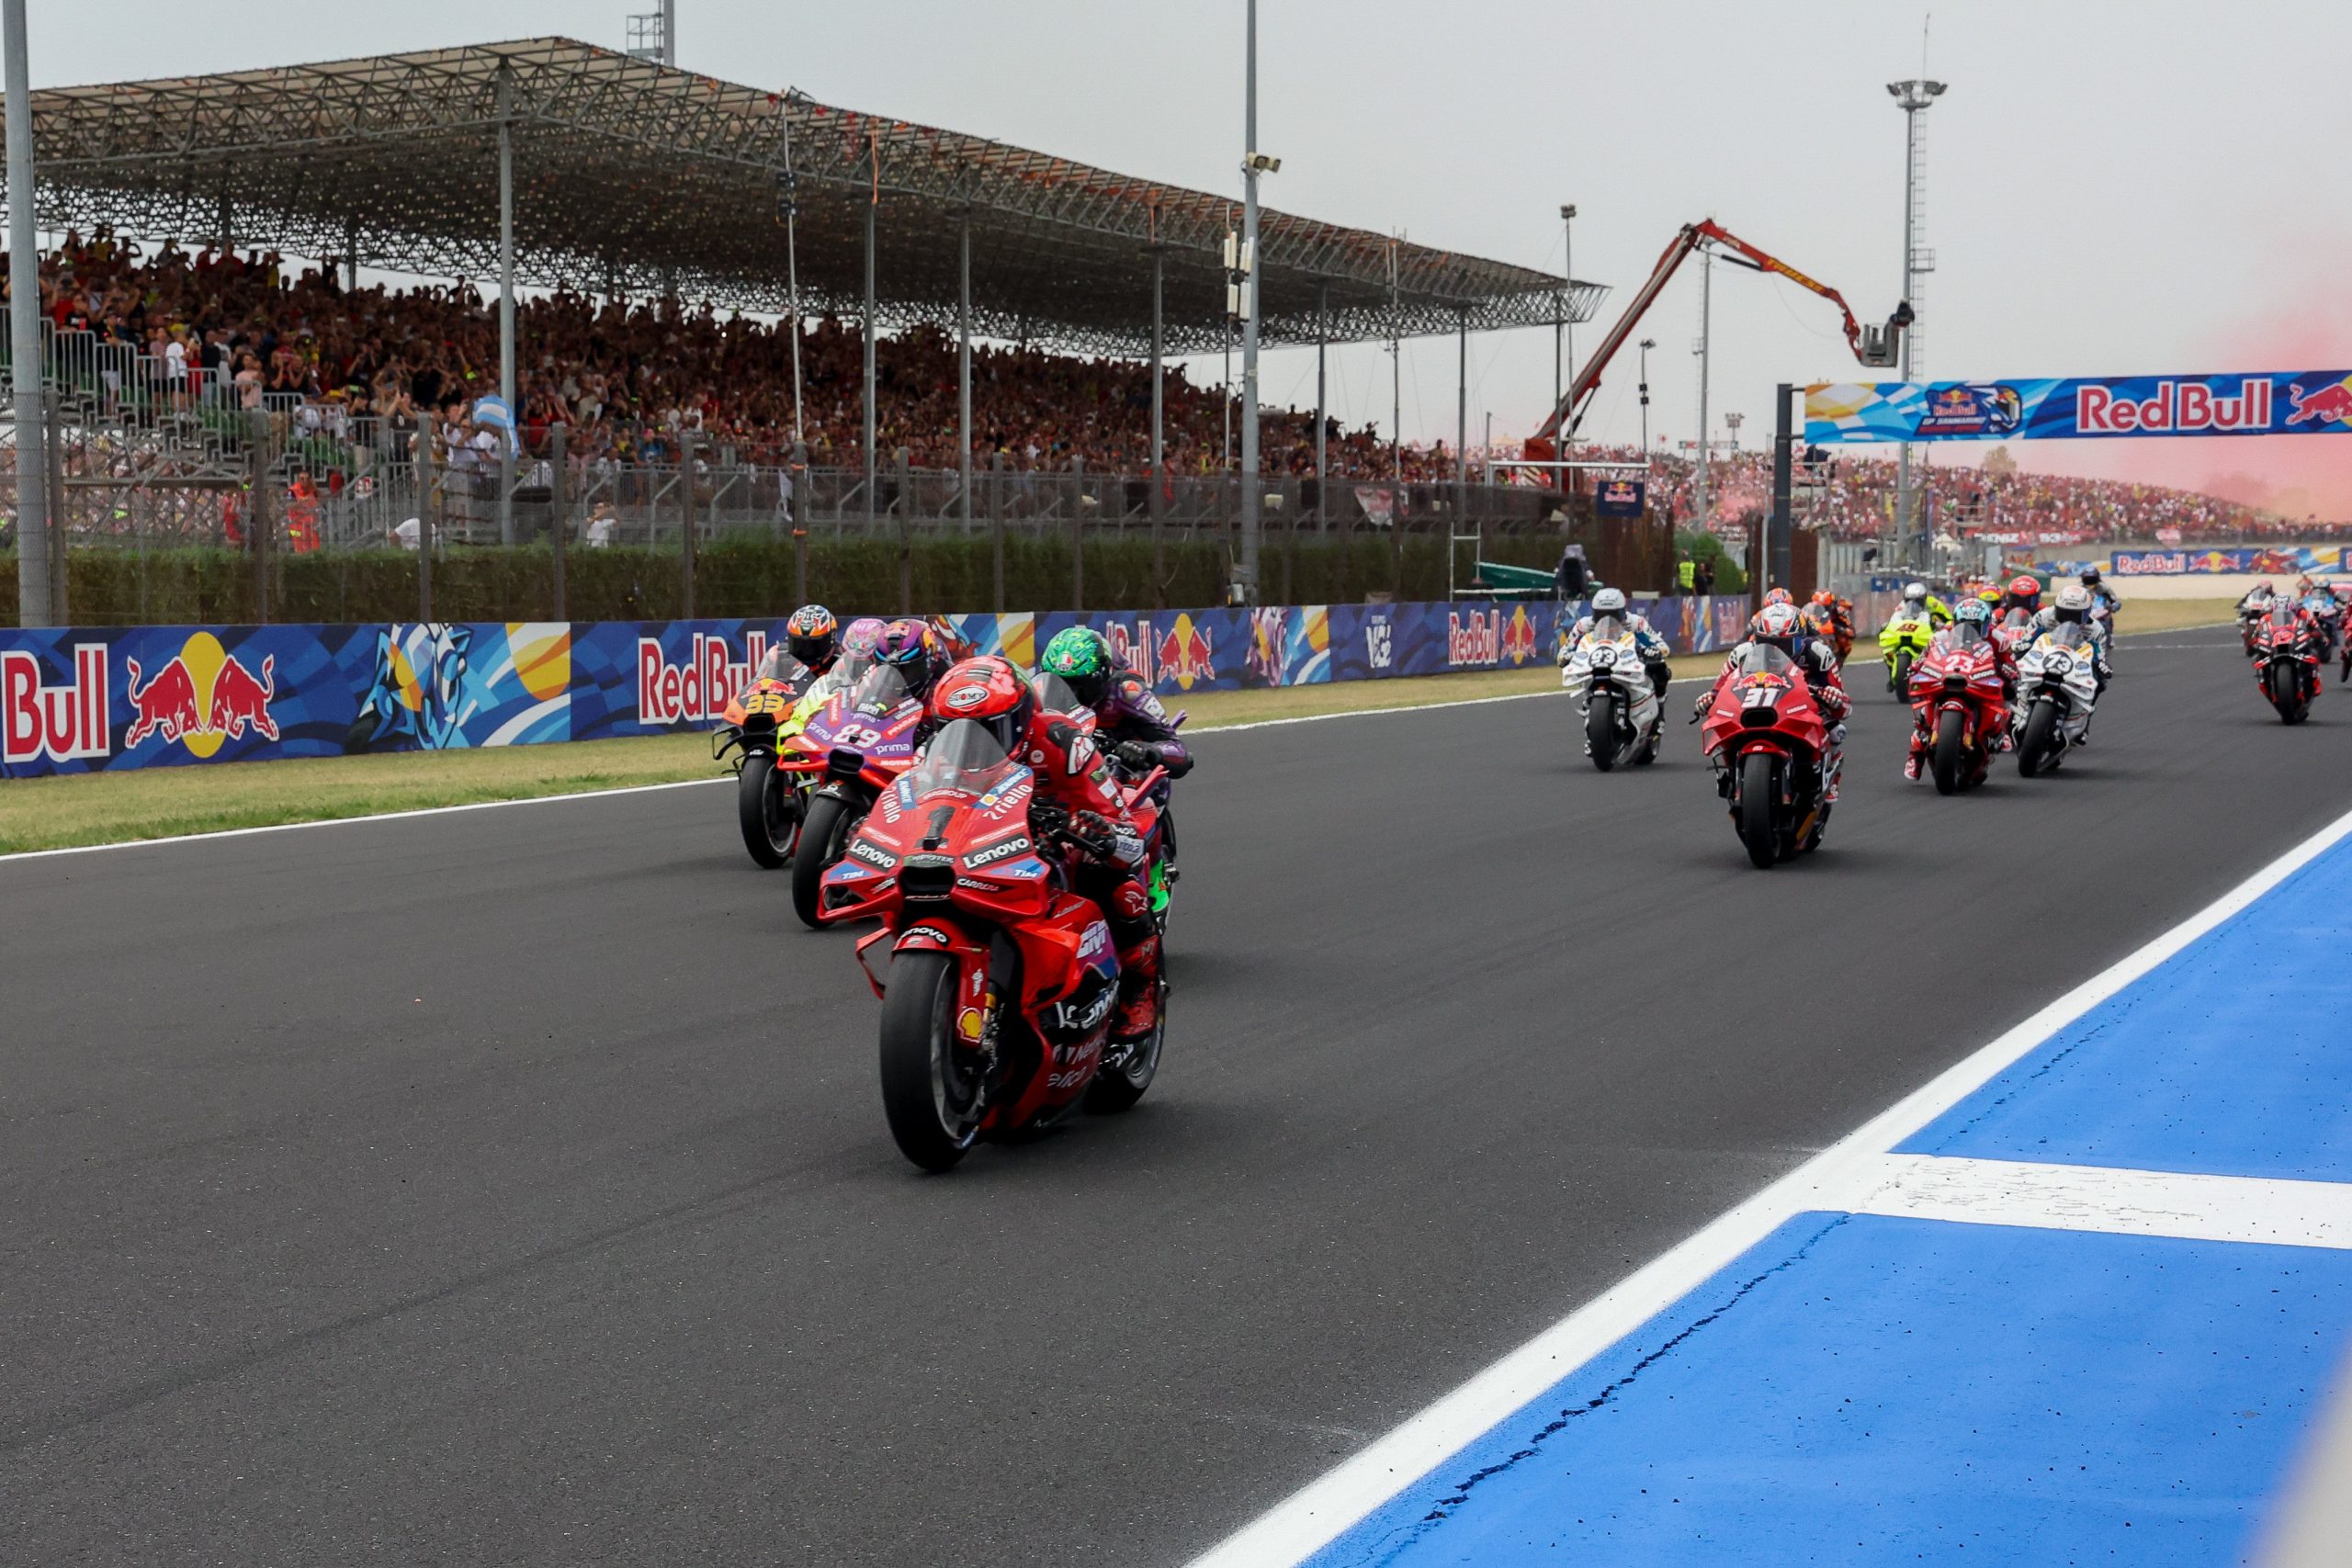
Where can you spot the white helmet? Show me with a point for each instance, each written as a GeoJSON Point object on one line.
{"type": "Point", "coordinates": [1609, 601]}
{"type": "Point", "coordinates": [2073, 596]}
{"type": "Point", "coordinates": [1914, 591]}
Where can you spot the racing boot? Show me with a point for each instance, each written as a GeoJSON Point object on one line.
{"type": "Point", "coordinates": [1138, 1011]}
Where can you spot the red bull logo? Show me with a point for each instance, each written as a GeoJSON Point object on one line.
{"type": "Point", "coordinates": [2179, 407]}
{"type": "Point", "coordinates": [2331, 404]}
{"type": "Point", "coordinates": [201, 698]}
{"type": "Point", "coordinates": [1478, 642]}
{"type": "Point", "coordinates": [61, 722]}
{"type": "Point", "coordinates": [1518, 637]}
{"type": "Point", "coordinates": [1184, 654]}
{"type": "Point", "coordinates": [699, 689]}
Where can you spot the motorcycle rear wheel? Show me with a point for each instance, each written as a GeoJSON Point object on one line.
{"type": "Point", "coordinates": [931, 1086]}
{"type": "Point", "coordinates": [767, 810]}
{"type": "Point", "coordinates": [1950, 754]}
{"type": "Point", "coordinates": [824, 834]}
{"type": "Point", "coordinates": [2041, 736]}
{"type": "Point", "coordinates": [1756, 798]}
{"type": "Point", "coordinates": [1601, 729]}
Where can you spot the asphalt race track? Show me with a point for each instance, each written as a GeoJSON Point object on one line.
{"type": "Point", "coordinates": [512, 1185]}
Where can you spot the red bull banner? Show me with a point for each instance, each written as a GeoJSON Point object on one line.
{"type": "Point", "coordinates": [84, 699]}
{"type": "Point", "coordinates": [2275, 403]}
{"type": "Point", "coordinates": [2288, 562]}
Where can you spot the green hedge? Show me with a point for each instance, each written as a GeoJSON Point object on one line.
{"type": "Point", "coordinates": [857, 577]}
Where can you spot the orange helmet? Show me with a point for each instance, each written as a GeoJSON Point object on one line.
{"type": "Point", "coordinates": [1780, 596]}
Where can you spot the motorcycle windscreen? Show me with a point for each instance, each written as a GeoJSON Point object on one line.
{"type": "Point", "coordinates": [1763, 659]}
{"type": "Point", "coordinates": [843, 676]}
{"type": "Point", "coordinates": [879, 690]}
{"type": "Point", "coordinates": [780, 665]}
{"type": "Point", "coordinates": [964, 756]}
{"type": "Point", "coordinates": [1963, 633]}
{"type": "Point", "coordinates": [2286, 613]}
{"type": "Point", "coordinates": [1053, 696]}
{"type": "Point", "coordinates": [2069, 633]}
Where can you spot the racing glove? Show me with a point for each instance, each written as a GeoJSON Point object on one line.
{"type": "Point", "coordinates": [1113, 843]}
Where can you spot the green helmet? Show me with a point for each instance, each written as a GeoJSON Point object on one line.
{"type": "Point", "coordinates": [1082, 657]}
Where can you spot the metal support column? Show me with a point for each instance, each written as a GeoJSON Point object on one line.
{"type": "Point", "coordinates": [1246, 575]}
{"type": "Point", "coordinates": [686, 525]}
{"type": "Point", "coordinates": [1322, 416]}
{"type": "Point", "coordinates": [1775, 543]}
{"type": "Point", "coordinates": [351, 254]}
{"type": "Point", "coordinates": [868, 383]}
{"type": "Point", "coordinates": [24, 325]}
{"type": "Point", "coordinates": [506, 303]}
{"type": "Point", "coordinates": [425, 509]}
{"type": "Point", "coordinates": [1706, 344]}
{"type": "Point", "coordinates": [558, 513]}
{"type": "Point", "coordinates": [1158, 499]}
{"type": "Point", "coordinates": [963, 377]}
{"type": "Point", "coordinates": [1462, 420]}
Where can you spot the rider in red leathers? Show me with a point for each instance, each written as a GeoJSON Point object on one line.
{"type": "Point", "coordinates": [1975, 613]}
{"type": "Point", "coordinates": [1782, 626]}
{"type": "Point", "coordinates": [1071, 774]}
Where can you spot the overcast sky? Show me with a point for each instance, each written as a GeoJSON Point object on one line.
{"type": "Point", "coordinates": [2112, 188]}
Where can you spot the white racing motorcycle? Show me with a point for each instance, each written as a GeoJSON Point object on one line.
{"type": "Point", "coordinates": [1622, 714]}
{"type": "Point", "coordinates": [2057, 688]}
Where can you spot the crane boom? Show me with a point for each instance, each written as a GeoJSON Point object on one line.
{"type": "Point", "coordinates": [1872, 346]}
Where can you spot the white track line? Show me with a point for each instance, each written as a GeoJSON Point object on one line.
{"type": "Point", "coordinates": [2265, 1210]}
{"type": "Point", "coordinates": [1315, 1515]}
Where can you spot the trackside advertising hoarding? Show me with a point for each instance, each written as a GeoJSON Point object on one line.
{"type": "Point", "coordinates": [2278, 402]}
{"type": "Point", "coordinates": [77, 699]}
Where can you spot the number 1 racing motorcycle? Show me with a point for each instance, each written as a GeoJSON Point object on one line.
{"type": "Point", "coordinates": [1622, 713]}
{"type": "Point", "coordinates": [1000, 981]}
{"type": "Point", "coordinates": [1767, 741]}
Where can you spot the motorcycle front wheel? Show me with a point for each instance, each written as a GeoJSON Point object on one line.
{"type": "Point", "coordinates": [2041, 736]}
{"type": "Point", "coordinates": [1950, 751]}
{"type": "Point", "coordinates": [1600, 728]}
{"type": "Point", "coordinates": [1899, 675]}
{"type": "Point", "coordinates": [767, 810]}
{"type": "Point", "coordinates": [824, 834]}
{"type": "Point", "coordinates": [931, 1086]}
{"type": "Point", "coordinates": [2285, 691]}
{"type": "Point", "coordinates": [1756, 798]}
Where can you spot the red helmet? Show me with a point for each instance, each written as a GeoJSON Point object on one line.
{"type": "Point", "coordinates": [2025, 588]}
{"type": "Point", "coordinates": [1826, 599]}
{"type": "Point", "coordinates": [1779, 596]}
{"type": "Point", "coordinates": [990, 692]}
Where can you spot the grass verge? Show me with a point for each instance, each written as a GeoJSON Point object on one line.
{"type": "Point", "coordinates": [152, 802]}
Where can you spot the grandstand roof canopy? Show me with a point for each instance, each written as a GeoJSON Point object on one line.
{"type": "Point", "coordinates": [626, 171]}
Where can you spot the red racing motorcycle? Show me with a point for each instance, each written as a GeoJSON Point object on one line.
{"type": "Point", "coordinates": [1766, 739]}
{"type": "Point", "coordinates": [1958, 706]}
{"type": "Point", "coordinates": [2286, 652]}
{"type": "Point", "coordinates": [997, 1000]}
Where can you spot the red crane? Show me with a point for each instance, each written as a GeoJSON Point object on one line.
{"type": "Point", "coordinates": [1875, 347]}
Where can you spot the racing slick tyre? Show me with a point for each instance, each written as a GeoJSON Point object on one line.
{"type": "Point", "coordinates": [1756, 796]}
{"type": "Point", "coordinates": [1951, 753]}
{"type": "Point", "coordinates": [931, 1086]}
{"type": "Point", "coordinates": [1117, 1088]}
{"type": "Point", "coordinates": [2041, 733]}
{"type": "Point", "coordinates": [768, 810]}
{"type": "Point", "coordinates": [824, 834]}
{"type": "Point", "coordinates": [1898, 675]}
{"type": "Point", "coordinates": [1600, 731]}
{"type": "Point", "coordinates": [2286, 694]}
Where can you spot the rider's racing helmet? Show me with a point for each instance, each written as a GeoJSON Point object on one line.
{"type": "Point", "coordinates": [1914, 593]}
{"type": "Point", "coordinates": [2090, 577]}
{"type": "Point", "coordinates": [813, 636]}
{"type": "Point", "coordinates": [906, 647]}
{"type": "Point", "coordinates": [2027, 591]}
{"type": "Point", "coordinates": [862, 636]}
{"type": "Point", "coordinates": [1780, 596]}
{"type": "Point", "coordinates": [1082, 658]}
{"type": "Point", "coordinates": [1974, 612]}
{"type": "Point", "coordinates": [2073, 602]}
{"type": "Point", "coordinates": [1609, 601]}
{"type": "Point", "coordinates": [1779, 625]}
{"type": "Point", "coordinates": [990, 693]}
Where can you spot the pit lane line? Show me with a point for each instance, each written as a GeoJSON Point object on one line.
{"type": "Point", "coordinates": [1862, 1163]}
{"type": "Point", "coordinates": [723, 778]}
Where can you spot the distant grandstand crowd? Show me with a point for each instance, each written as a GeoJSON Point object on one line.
{"type": "Point", "coordinates": [631, 382]}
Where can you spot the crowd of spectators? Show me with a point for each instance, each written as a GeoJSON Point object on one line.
{"type": "Point", "coordinates": [630, 380]}
{"type": "Point", "coordinates": [1854, 498]}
